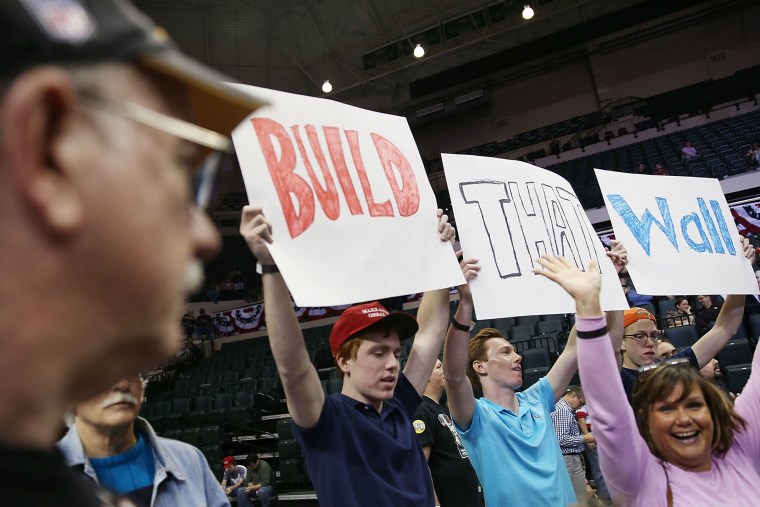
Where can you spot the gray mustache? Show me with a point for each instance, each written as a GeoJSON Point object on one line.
{"type": "Point", "coordinates": [115, 398]}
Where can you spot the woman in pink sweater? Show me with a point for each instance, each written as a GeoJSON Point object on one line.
{"type": "Point", "coordinates": [686, 445]}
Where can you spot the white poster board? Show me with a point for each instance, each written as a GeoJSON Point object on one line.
{"type": "Point", "coordinates": [509, 213]}
{"type": "Point", "coordinates": [353, 215]}
{"type": "Point", "coordinates": [680, 235]}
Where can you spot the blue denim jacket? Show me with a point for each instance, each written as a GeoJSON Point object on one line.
{"type": "Point", "coordinates": [182, 474]}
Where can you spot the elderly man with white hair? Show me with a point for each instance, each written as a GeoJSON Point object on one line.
{"type": "Point", "coordinates": [118, 450]}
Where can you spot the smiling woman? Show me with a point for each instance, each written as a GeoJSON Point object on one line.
{"type": "Point", "coordinates": [683, 418]}
{"type": "Point", "coordinates": [692, 446]}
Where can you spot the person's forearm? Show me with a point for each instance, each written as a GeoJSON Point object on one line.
{"type": "Point", "coordinates": [726, 325]}
{"type": "Point", "coordinates": [285, 337]}
{"type": "Point", "coordinates": [458, 387]}
{"type": "Point", "coordinates": [433, 318]}
{"type": "Point", "coordinates": [621, 448]}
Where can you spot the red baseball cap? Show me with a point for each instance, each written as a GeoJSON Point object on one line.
{"type": "Point", "coordinates": [228, 462]}
{"type": "Point", "coordinates": [360, 317]}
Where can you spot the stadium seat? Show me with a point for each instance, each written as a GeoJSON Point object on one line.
{"type": "Point", "coordinates": [288, 448]}
{"type": "Point", "coordinates": [531, 375]}
{"type": "Point", "coordinates": [736, 376]}
{"type": "Point", "coordinates": [212, 435]}
{"type": "Point", "coordinates": [682, 336]}
{"type": "Point", "coordinates": [192, 436]}
{"type": "Point", "coordinates": [734, 353]}
{"type": "Point", "coordinates": [521, 332]}
{"type": "Point", "coordinates": [525, 320]}
{"type": "Point", "coordinates": [293, 475]}
{"type": "Point", "coordinates": [173, 434]}
{"type": "Point", "coordinates": [536, 358]}
{"type": "Point", "coordinates": [218, 414]}
{"type": "Point", "coordinates": [285, 428]}
{"type": "Point", "coordinates": [242, 415]}
{"type": "Point", "coordinates": [203, 405]}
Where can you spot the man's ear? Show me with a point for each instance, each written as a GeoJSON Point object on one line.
{"type": "Point", "coordinates": [478, 366]}
{"type": "Point", "coordinates": [342, 363]}
{"type": "Point", "coordinates": [37, 114]}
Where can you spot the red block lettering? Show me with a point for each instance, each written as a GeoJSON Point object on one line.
{"type": "Point", "coordinates": [408, 194]}
{"type": "Point", "coordinates": [334, 146]}
{"type": "Point", "coordinates": [383, 209]}
{"type": "Point", "coordinates": [327, 195]}
{"type": "Point", "coordinates": [286, 182]}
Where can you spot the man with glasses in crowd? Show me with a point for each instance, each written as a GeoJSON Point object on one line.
{"type": "Point", "coordinates": [102, 239]}
{"type": "Point", "coordinates": [641, 335]}
{"type": "Point", "coordinates": [115, 448]}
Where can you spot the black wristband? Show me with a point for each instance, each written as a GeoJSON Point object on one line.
{"type": "Point", "coordinates": [459, 325]}
{"type": "Point", "coordinates": [269, 268]}
{"type": "Point", "coordinates": [592, 334]}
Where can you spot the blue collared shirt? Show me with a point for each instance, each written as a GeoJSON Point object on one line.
{"type": "Point", "coordinates": [182, 476]}
{"type": "Point", "coordinates": [516, 456]}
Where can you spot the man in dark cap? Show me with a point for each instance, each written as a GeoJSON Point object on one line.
{"type": "Point", "coordinates": [102, 123]}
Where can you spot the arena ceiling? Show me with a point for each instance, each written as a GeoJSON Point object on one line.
{"type": "Point", "coordinates": [363, 46]}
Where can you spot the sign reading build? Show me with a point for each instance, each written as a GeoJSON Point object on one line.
{"type": "Point", "coordinates": [352, 211]}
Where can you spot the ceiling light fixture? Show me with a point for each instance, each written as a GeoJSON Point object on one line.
{"type": "Point", "coordinates": [326, 86]}
{"type": "Point", "coordinates": [419, 51]}
{"type": "Point", "coordinates": [527, 12]}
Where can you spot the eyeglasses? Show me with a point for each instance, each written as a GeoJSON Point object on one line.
{"type": "Point", "coordinates": [640, 337]}
{"type": "Point", "coordinates": [205, 174]}
{"type": "Point", "coordinates": [678, 361]}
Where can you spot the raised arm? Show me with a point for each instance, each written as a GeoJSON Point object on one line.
{"type": "Point", "coordinates": [728, 321]}
{"type": "Point", "coordinates": [300, 380]}
{"type": "Point", "coordinates": [567, 363]}
{"type": "Point", "coordinates": [433, 317]}
{"type": "Point", "coordinates": [458, 386]}
{"type": "Point", "coordinates": [622, 450]}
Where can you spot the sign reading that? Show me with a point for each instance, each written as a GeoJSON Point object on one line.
{"type": "Point", "coordinates": [352, 211]}
{"type": "Point", "coordinates": [680, 235]}
{"type": "Point", "coordinates": [508, 214]}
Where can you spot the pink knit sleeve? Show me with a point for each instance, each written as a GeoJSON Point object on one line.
{"type": "Point", "coordinates": [748, 406]}
{"type": "Point", "coordinates": [623, 454]}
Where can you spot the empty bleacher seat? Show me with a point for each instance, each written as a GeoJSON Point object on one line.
{"type": "Point", "coordinates": [285, 428]}
{"type": "Point", "coordinates": [525, 320]}
{"type": "Point", "coordinates": [192, 436]}
{"type": "Point", "coordinates": [218, 414]}
{"type": "Point", "coordinates": [517, 333]}
{"type": "Point", "coordinates": [531, 375]}
{"type": "Point", "coordinates": [203, 405]}
{"type": "Point", "coordinates": [212, 435]}
{"type": "Point", "coordinates": [176, 419]}
{"type": "Point", "coordinates": [736, 376]}
{"type": "Point", "coordinates": [682, 336]}
{"type": "Point", "coordinates": [288, 448]}
{"type": "Point", "coordinates": [536, 358]}
{"type": "Point", "coordinates": [735, 352]}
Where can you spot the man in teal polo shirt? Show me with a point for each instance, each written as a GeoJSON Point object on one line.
{"type": "Point", "coordinates": [509, 435]}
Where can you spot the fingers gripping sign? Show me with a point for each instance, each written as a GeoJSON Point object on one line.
{"type": "Point", "coordinates": [445, 229]}
{"type": "Point", "coordinates": [257, 232]}
{"type": "Point", "coordinates": [618, 254]}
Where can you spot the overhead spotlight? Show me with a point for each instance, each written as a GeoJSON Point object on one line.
{"type": "Point", "coordinates": [419, 51]}
{"type": "Point", "coordinates": [527, 12]}
{"type": "Point", "coordinates": [326, 86]}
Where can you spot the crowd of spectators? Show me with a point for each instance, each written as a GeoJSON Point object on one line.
{"type": "Point", "coordinates": [664, 433]}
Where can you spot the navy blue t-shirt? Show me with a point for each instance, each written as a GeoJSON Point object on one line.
{"type": "Point", "coordinates": [629, 376]}
{"type": "Point", "coordinates": [356, 456]}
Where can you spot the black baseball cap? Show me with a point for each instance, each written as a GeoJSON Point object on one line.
{"type": "Point", "coordinates": [39, 32]}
